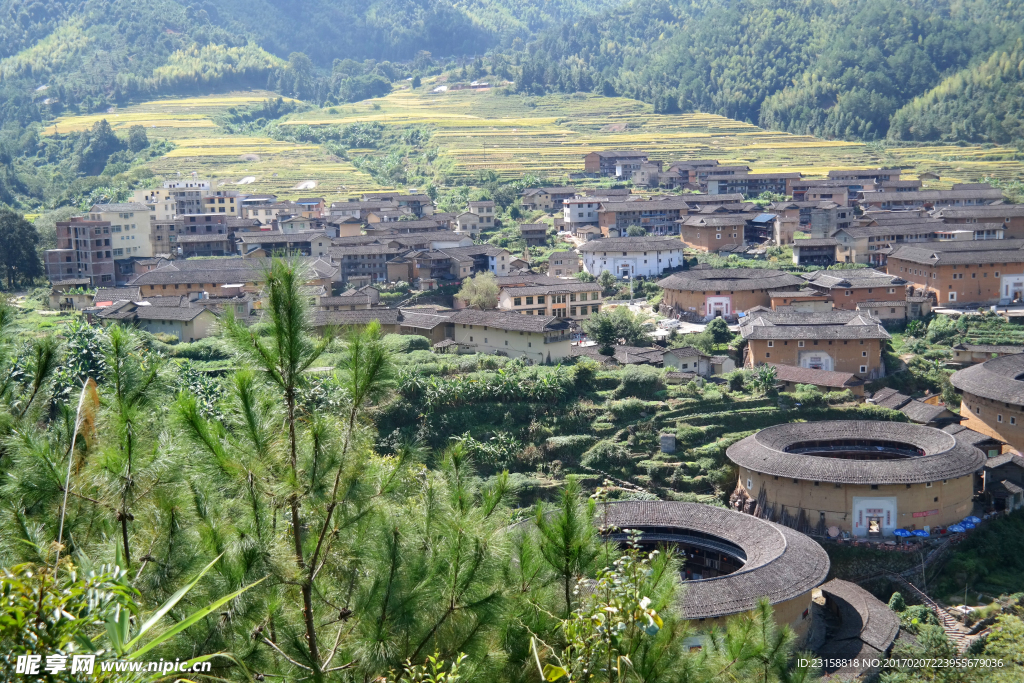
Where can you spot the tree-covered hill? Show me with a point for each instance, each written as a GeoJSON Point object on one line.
{"type": "Point", "coordinates": [837, 69]}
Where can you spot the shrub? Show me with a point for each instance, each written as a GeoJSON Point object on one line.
{"type": "Point", "coordinates": [404, 343]}
{"type": "Point", "coordinates": [641, 381]}
{"type": "Point", "coordinates": [605, 454]}
{"type": "Point", "coordinates": [584, 373]}
{"type": "Point", "coordinates": [628, 409]}
{"type": "Point", "coordinates": [569, 447]}
{"type": "Point", "coordinates": [211, 348]}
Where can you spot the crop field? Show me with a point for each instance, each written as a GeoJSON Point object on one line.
{"type": "Point", "coordinates": [202, 146]}
{"type": "Point", "coordinates": [486, 130]}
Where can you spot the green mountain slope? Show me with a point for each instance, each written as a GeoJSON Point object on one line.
{"type": "Point", "coordinates": [983, 104]}
{"type": "Point", "coordinates": [837, 69]}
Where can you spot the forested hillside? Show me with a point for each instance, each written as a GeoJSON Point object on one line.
{"type": "Point", "coordinates": [837, 69]}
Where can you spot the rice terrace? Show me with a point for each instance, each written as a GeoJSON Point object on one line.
{"type": "Point", "coordinates": [487, 130]}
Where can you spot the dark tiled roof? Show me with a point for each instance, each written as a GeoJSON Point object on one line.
{"type": "Point", "coordinates": [223, 270]}
{"type": "Point", "coordinates": [1003, 210]}
{"type": "Point", "coordinates": [1004, 489]}
{"type": "Point", "coordinates": [921, 412]}
{"type": "Point", "coordinates": [864, 619]}
{"type": "Point", "coordinates": [563, 286]}
{"type": "Point", "coordinates": [386, 316]}
{"type": "Point", "coordinates": [1005, 459]}
{"type": "Point", "coordinates": [181, 313]}
{"type": "Point", "coordinates": [273, 236]}
{"type": "Point", "coordinates": [995, 379]}
{"type": "Point", "coordinates": [969, 435]}
{"type": "Point", "coordinates": [425, 320]}
{"type": "Point", "coordinates": [515, 322]}
{"type": "Point", "coordinates": [781, 564]}
{"type": "Point", "coordinates": [614, 153]}
{"type": "Point", "coordinates": [744, 279]}
{"type": "Point", "coordinates": [821, 378]}
{"type": "Point", "coordinates": [990, 348]}
{"type": "Point", "coordinates": [931, 195]}
{"type": "Point", "coordinates": [852, 279]}
{"type": "Point", "coordinates": [988, 251]}
{"type": "Point", "coordinates": [73, 282]}
{"type": "Point", "coordinates": [631, 244]}
{"type": "Point", "coordinates": [816, 242]}
{"type": "Point", "coordinates": [889, 398]}
{"type": "Point", "coordinates": [837, 324]}
{"type": "Point", "coordinates": [117, 294]}
{"type": "Point", "coordinates": [203, 238]}
{"type": "Point", "coordinates": [945, 456]}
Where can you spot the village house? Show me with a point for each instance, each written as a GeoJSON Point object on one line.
{"type": "Point", "coordinates": [1011, 216]}
{"type": "Point", "coordinates": [129, 228]}
{"type": "Point", "coordinates": [184, 320]}
{"type": "Point", "coordinates": [632, 256]}
{"type": "Point", "coordinates": [969, 354]}
{"type": "Point", "coordinates": [538, 339]}
{"type": "Point", "coordinates": [272, 242]}
{"type": "Point", "coordinates": [964, 273]}
{"type": "Point", "coordinates": [548, 199]}
{"type": "Point", "coordinates": [803, 300]}
{"type": "Point", "coordinates": [903, 201]}
{"type": "Point", "coordinates": [563, 263]}
{"type": "Point", "coordinates": [848, 288]}
{"type": "Point", "coordinates": [687, 359]}
{"type": "Point", "coordinates": [815, 252]}
{"type": "Point", "coordinates": [368, 262]}
{"type": "Point", "coordinates": [534, 234]}
{"type": "Point", "coordinates": [616, 163]}
{"type": "Point", "coordinates": [867, 177]}
{"type": "Point", "coordinates": [222, 277]}
{"type": "Point", "coordinates": [810, 190]}
{"type": "Point", "coordinates": [712, 232]}
{"type": "Point", "coordinates": [549, 296]}
{"type": "Point", "coordinates": [228, 202]}
{"type": "Point", "coordinates": [840, 341]}
{"type": "Point", "coordinates": [419, 205]}
{"type": "Point", "coordinates": [752, 184]}
{"type": "Point", "coordinates": [790, 376]}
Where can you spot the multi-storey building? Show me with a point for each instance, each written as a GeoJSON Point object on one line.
{"type": "Point", "coordinates": [964, 273]}
{"type": "Point", "coordinates": [632, 256]}
{"type": "Point", "coordinates": [83, 252]}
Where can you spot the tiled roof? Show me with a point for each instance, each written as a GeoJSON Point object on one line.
{"type": "Point", "coordinates": [969, 435]}
{"type": "Point", "coordinates": [989, 348]}
{"type": "Point", "coordinates": [852, 279]}
{"type": "Point", "coordinates": [926, 254]}
{"type": "Point", "coordinates": [820, 378]}
{"type": "Point", "coordinates": [180, 313]}
{"type": "Point", "coordinates": [800, 294]}
{"type": "Point", "coordinates": [188, 238]}
{"type": "Point", "coordinates": [744, 279]}
{"type": "Point", "coordinates": [723, 220]}
{"type": "Point", "coordinates": [945, 456]}
{"type": "Point", "coordinates": [514, 322]}
{"type": "Point", "coordinates": [780, 563]}
{"type": "Point", "coordinates": [998, 379]}
{"type": "Point", "coordinates": [386, 316]}
{"type": "Point", "coordinates": [223, 270]}
{"type": "Point", "coordinates": [116, 294]}
{"type": "Point", "coordinates": [931, 195]}
{"type": "Point", "coordinates": [686, 352]}
{"type": "Point", "coordinates": [632, 244]}
{"type": "Point", "coordinates": [1002, 210]}
{"type": "Point", "coordinates": [816, 242]}
{"type": "Point", "coordinates": [424, 320]}
{"type": "Point", "coordinates": [921, 412]}
{"type": "Point", "coordinates": [564, 286]}
{"type": "Point", "coordinates": [836, 324]}
{"type": "Point", "coordinates": [614, 153]}
{"type": "Point", "coordinates": [1004, 489]}
{"type": "Point", "coordinates": [638, 355]}
{"type": "Point", "coordinates": [867, 628]}
{"type": "Point", "coordinates": [274, 237]}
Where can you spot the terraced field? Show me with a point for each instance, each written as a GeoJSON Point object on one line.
{"type": "Point", "coordinates": [511, 135]}
{"type": "Point", "coordinates": [202, 146]}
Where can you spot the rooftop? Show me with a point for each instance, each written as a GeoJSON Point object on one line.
{"type": "Point", "coordinates": [730, 279]}
{"type": "Point", "coordinates": [820, 378]}
{"type": "Point", "coordinates": [631, 244]}
{"type": "Point", "coordinates": [779, 563]}
{"type": "Point", "coordinates": [1000, 379]}
{"type": "Point", "coordinates": [513, 322]}
{"type": "Point", "coordinates": [857, 452]}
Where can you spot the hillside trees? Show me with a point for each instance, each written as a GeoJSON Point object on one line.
{"type": "Point", "coordinates": [19, 256]}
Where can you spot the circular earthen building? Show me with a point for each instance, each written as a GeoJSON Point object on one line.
{"type": "Point", "coordinates": [730, 560]}
{"type": "Point", "coordinates": [867, 478]}
{"type": "Point", "coordinates": [993, 398]}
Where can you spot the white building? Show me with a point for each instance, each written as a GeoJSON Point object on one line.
{"type": "Point", "coordinates": [580, 211]}
{"type": "Point", "coordinates": [129, 228]}
{"type": "Point", "coordinates": [632, 256]}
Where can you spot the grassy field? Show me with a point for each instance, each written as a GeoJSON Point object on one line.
{"type": "Point", "coordinates": [511, 135]}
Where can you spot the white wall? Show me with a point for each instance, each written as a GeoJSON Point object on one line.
{"type": "Point", "coordinates": [651, 264]}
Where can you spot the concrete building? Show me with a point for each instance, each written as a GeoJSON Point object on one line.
{"type": "Point", "coordinates": [723, 292]}
{"type": "Point", "coordinates": [84, 251]}
{"type": "Point", "coordinates": [548, 199]}
{"type": "Point", "coordinates": [841, 341]}
{"type": "Point", "coordinates": [632, 256]}
{"type": "Point", "coordinates": [993, 398]}
{"type": "Point", "coordinates": [867, 478]}
{"type": "Point", "coordinates": [129, 228]}
{"type": "Point", "coordinates": [616, 163]}
{"type": "Point", "coordinates": [815, 252]}
{"type": "Point", "coordinates": [752, 184]}
{"type": "Point", "coordinates": [538, 339]}
{"type": "Point", "coordinates": [546, 296]}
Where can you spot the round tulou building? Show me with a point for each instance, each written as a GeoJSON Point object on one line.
{"type": "Point", "coordinates": [867, 478]}
{"type": "Point", "coordinates": [729, 560]}
{"type": "Point", "coordinates": [993, 398]}
{"type": "Point", "coordinates": [723, 292]}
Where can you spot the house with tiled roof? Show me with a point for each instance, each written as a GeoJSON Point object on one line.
{"type": "Point", "coordinates": [841, 341]}
{"type": "Point", "coordinates": [536, 338]}
{"type": "Point", "coordinates": [632, 256]}
{"type": "Point", "coordinates": [548, 296]}
{"type": "Point", "coordinates": [965, 273]}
